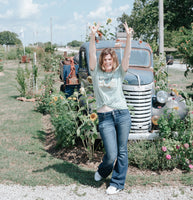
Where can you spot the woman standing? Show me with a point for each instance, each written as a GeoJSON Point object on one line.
{"type": "Point", "coordinates": [112, 110]}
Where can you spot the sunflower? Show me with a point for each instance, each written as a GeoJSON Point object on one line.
{"type": "Point", "coordinates": [93, 117]}
{"type": "Point", "coordinates": [55, 98]}
{"type": "Point", "coordinates": [109, 20]}
{"type": "Point", "coordinates": [89, 79]}
{"type": "Point", "coordinates": [155, 120]}
{"type": "Point", "coordinates": [51, 102]}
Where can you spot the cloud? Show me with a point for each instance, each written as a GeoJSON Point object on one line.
{"type": "Point", "coordinates": [124, 8]}
{"type": "Point", "coordinates": [106, 2]}
{"type": "Point", "coordinates": [101, 12]}
{"type": "Point", "coordinates": [77, 16]}
{"type": "Point", "coordinates": [7, 14]}
{"type": "Point", "coordinates": [27, 9]}
{"type": "Point", "coordinates": [105, 11]}
{"type": "Point", "coordinates": [105, 6]}
{"type": "Point", "coordinates": [60, 27]}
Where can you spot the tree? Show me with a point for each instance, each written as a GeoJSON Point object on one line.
{"type": "Point", "coordinates": [185, 47]}
{"type": "Point", "coordinates": [49, 47]}
{"type": "Point", "coordinates": [9, 38]}
{"type": "Point", "coordinates": [144, 18]}
{"type": "Point", "coordinates": [178, 13]}
{"type": "Point", "coordinates": [75, 43]}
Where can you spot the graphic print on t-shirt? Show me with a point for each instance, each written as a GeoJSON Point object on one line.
{"type": "Point", "coordinates": [107, 82]}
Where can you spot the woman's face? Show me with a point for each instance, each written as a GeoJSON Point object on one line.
{"type": "Point", "coordinates": [108, 63]}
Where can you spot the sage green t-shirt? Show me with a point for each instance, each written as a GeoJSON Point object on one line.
{"type": "Point", "coordinates": [108, 88]}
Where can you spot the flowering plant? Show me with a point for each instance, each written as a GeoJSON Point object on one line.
{"type": "Point", "coordinates": [105, 31]}
{"type": "Point", "coordinates": [177, 140]}
{"type": "Point", "coordinates": [88, 119]}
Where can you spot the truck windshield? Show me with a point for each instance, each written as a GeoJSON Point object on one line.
{"type": "Point", "coordinates": [138, 58]}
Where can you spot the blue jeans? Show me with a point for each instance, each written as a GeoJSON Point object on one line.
{"type": "Point", "coordinates": [114, 129]}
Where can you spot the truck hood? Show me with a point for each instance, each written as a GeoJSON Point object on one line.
{"type": "Point", "coordinates": [145, 77]}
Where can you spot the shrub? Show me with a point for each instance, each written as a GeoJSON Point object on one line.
{"type": "Point", "coordinates": [1, 59]}
{"type": "Point", "coordinates": [21, 80]}
{"type": "Point", "coordinates": [43, 103]}
{"type": "Point", "coordinates": [72, 119]}
{"type": "Point", "coordinates": [27, 81]}
{"type": "Point", "coordinates": [144, 155]}
{"type": "Point", "coordinates": [173, 148]}
{"type": "Point", "coordinates": [185, 47]}
{"type": "Point", "coordinates": [63, 118]}
{"type": "Point", "coordinates": [50, 63]}
{"type": "Point", "coordinates": [177, 136]}
{"type": "Point", "coordinates": [12, 54]}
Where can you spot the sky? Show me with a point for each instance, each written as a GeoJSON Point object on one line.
{"type": "Point", "coordinates": [58, 21]}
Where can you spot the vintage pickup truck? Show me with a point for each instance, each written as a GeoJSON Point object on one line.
{"type": "Point", "coordinates": [145, 106]}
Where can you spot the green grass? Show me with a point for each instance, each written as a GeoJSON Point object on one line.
{"type": "Point", "coordinates": [22, 154]}
{"type": "Point", "coordinates": [23, 158]}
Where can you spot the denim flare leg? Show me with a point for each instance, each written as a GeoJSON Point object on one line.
{"type": "Point", "coordinates": [114, 129]}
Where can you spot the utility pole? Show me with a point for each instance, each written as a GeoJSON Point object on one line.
{"type": "Point", "coordinates": [51, 31]}
{"type": "Point", "coordinates": [161, 27]}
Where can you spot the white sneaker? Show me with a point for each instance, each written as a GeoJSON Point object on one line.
{"type": "Point", "coordinates": [112, 190]}
{"type": "Point", "coordinates": [97, 176]}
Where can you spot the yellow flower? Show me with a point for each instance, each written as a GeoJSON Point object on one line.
{"type": "Point", "coordinates": [155, 120]}
{"type": "Point", "coordinates": [175, 91]}
{"type": "Point", "coordinates": [51, 102]}
{"type": "Point", "coordinates": [176, 108]}
{"type": "Point", "coordinates": [74, 98]}
{"type": "Point", "coordinates": [69, 98]}
{"type": "Point", "coordinates": [55, 98]}
{"type": "Point", "coordinates": [61, 97]}
{"type": "Point", "coordinates": [89, 79]}
{"type": "Point", "coordinates": [109, 20]}
{"type": "Point", "coordinates": [93, 117]}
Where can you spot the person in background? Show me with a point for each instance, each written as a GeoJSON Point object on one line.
{"type": "Point", "coordinates": [69, 86]}
{"type": "Point", "coordinates": [113, 114]}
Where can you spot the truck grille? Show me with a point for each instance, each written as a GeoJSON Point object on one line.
{"type": "Point", "coordinates": [138, 99]}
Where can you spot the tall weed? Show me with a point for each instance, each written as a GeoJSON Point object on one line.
{"type": "Point", "coordinates": [21, 80]}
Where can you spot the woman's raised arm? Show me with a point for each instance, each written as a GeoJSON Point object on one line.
{"type": "Point", "coordinates": [127, 51]}
{"type": "Point", "coordinates": [92, 47]}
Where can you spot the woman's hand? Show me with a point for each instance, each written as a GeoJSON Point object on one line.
{"type": "Point", "coordinates": [127, 52]}
{"type": "Point", "coordinates": [94, 29]}
{"type": "Point", "coordinates": [128, 30]}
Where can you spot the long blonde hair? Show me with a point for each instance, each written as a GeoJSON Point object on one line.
{"type": "Point", "coordinates": [113, 54]}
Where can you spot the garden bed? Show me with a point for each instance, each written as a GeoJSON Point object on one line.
{"type": "Point", "coordinates": [78, 156]}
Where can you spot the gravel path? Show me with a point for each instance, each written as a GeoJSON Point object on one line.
{"type": "Point", "coordinates": [74, 192]}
